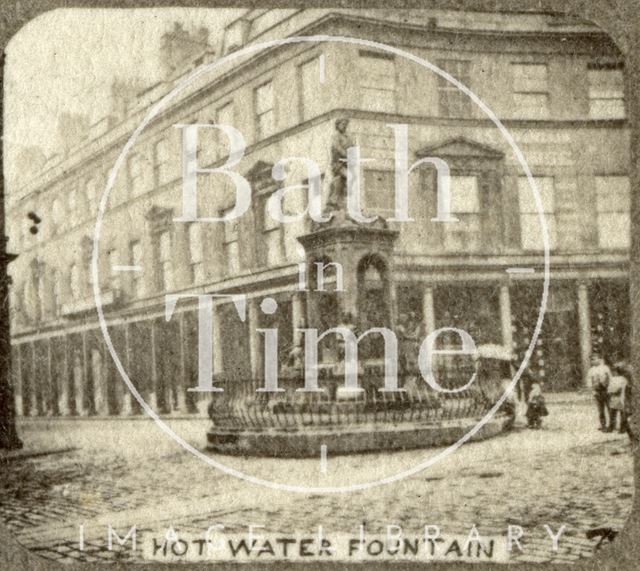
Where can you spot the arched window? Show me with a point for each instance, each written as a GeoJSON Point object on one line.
{"type": "Point", "coordinates": [374, 309]}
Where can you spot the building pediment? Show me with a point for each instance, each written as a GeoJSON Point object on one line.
{"type": "Point", "coordinates": [460, 147]}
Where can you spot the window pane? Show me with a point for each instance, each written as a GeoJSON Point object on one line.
{"type": "Point", "coordinates": [233, 258]}
{"type": "Point", "coordinates": [269, 223]}
{"type": "Point", "coordinates": [459, 69]}
{"type": "Point", "coordinates": [614, 230]}
{"type": "Point", "coordinates": [451, 101]}
{"type": "Point", "coordinates": [378, 99]}
{"type": "Point", "coordinates": [607, 108]}
{"type": "Point", "coordinates": [230, 230]}
{"type": "Point", "coordinates": [525, 194]}
{"type": "Point", "coordinates": [531, 105]}
{"type": "Point", "coordinates": [531, 231]}
{"type": "Point", "coordinates": [198, 273]}
{"type": "Point", "coordinates": [376, 70]}
{"type": "Point", "coordinates": [165, 246]}
{"type": "Point", "coordinates": [604, 80]}
{"type": "Point", "coordinates": [612, 194]}
{"type": "Point", "coordinates": [75, 281]}
{"type": "Point", "coordinates": [264, 98]}
{"type": "Point", "coordinates": [377, 82]}
{"type": "Point", "coordinates": [265, 124]}
{"type": "Point", "coordinates": [464, 235]}
{"type": "Point", "coordinates": [310, 83]}
{"type": "Point", "coordinates": [528, 77]}
{"type": "Point", "coordinates": [274, 248]}
{"type": "Point", "coordinates": [464, 194]}
{"type": "Point", "coordinates": [136, 253]}
{"type": "Point", "coordinates": [195, 242]}
{"type": "Point", "coordinates": [224, 117]}
{"type": "Point", "coordinates": [73, 198]}
{"type": "Point", "coordinates": [379, 191]}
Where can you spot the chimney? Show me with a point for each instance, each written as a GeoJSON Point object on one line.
{"type": "Point", "coordinates": [181, 49]}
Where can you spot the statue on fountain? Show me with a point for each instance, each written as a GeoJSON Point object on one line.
{"type": "Point", "coordinates": [339, 183]}
{"type": "Point", "coordinates": [340, 143]}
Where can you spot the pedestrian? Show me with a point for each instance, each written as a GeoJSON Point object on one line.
{"type": "Point", "coordinates": [509, 404]}
{"type": "Point", "coordinates": [627, 371]}
{"type": "Point", "coordinates": [617, 392]}
{"type": "Point", "coordinates": [598, 379]}
{"type": "Point", "coordinates": [536, 407]}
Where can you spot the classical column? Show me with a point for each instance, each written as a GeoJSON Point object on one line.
{"type": "Point", "coordinates": [218, 366]}
{"type": "Point", "coordinates": [182, 383]}
{"type": "Point", "coordinates": [255, 358]}
{"type": "Point", "coordinates": [584, 319]}
{"type": "Point", "coordinates": [53, 388]}
{"type": "Point", "coordinates": [505, 317]}
{"type": "Point", "coordinates": [153, 393]}
{"type": "Point", "coordinates": [127, 399]}
{"type": "Point", "coordinates": [87, 378]}
{"type": "Point", "coordinates": [297, 315]}
{"type": "Point", "coordinates": [182, 271]}
{"type": "Point", "coordinates": [428, 311]}
{"type": "Point", "coordinates": [393, 304]}
{"type": "Point", "coordinates": [16, 367]}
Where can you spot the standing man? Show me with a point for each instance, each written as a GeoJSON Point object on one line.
{"type": "Point", "coordinates": [598, 379]}
{"type": "Point", "coordinates": [340, 144]}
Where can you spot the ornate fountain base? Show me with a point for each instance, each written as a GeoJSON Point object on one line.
{"type": "Point", "coordinates": [305, 442]}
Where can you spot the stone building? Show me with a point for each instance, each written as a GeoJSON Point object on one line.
{"type": "Point", "coordinates": [555, 83]}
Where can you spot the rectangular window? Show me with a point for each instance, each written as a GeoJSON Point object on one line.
{"type": "Point", "coordinates": [163, 161]}
{"type": "Point", "coordinates": [164, 261]}
{"type": "Point", "coordinates": [91, 195]}
{"type": "Point", "coordinates": [224, 116]}
{"type": "Point", "coordinates": [531, 90]}
{"type": "Point", "coordinates": [112, 260]}
{"type": "Point", "coordinates": [464, 235]}
{"type": "Point", "coordinates": [310, 89]}
{"type": "Point", "coordinates": [606, 93]}
{"type": "Point", "coordinates": [377, 74]}
{"type": "Point", "coordinates": [265, 120]}
{"type": "Point", "coordinates": [57, 292]}
{"type": "Point", "coordinates": [451, 100]}
{"type": "Point", "coordinates": [379, 192]}
{"type": "Point", "coordinates": [75, 282]}
{"type": "Point", "coordinates": [272, 232]}
{"type": "Point", "coordinates": [613, 208]}
{"type": "Point", "coordinates": [232, 251]}
{"type": "Point", "coordinates": [530, 224]}
{"type": "Point", "coordinates": [73, 205]}
{"type": "Point", "coordinates": [57, 215]}
{"type": "Point", "coordinates": [135, 257]}
{"type": "Point", "coordinates": [195, 253]}
{"type": "Point", "coordinates": [135, 174]}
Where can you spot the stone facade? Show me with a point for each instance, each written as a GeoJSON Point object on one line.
{"type": "Point", "coordinates": [557, 91]}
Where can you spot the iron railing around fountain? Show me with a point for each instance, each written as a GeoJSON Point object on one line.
{"type": "Point", "coordinates": [242, 406]}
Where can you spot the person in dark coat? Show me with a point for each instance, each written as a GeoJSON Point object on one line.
{"type": "Point", "coordinates": [537, 407]}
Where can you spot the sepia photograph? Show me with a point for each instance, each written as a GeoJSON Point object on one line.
{"type": "Point", "coordinates": [317, 284]}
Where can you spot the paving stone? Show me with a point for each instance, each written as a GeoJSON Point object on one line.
{"type": "Point", "coordinates": [584, 485]}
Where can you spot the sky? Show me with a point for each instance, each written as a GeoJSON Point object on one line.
{"type": "Point", "coordinates": [66, 60]}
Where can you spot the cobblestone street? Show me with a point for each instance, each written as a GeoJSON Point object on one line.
{"type": "Point", "coordinates": [127, 472]}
